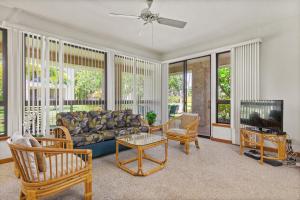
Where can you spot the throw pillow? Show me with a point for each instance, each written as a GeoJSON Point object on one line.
{"type": "Point", "coordinates": [134, 120]}
{"type": "Point", "coordinates": [27, 156]}
{"type": "Point", "coordinates": [40, 157]}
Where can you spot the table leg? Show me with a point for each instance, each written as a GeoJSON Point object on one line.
{"type": "Point", "coordinates": [166, 151]}
{"type": "Point", "coordinates": [117, 153]}
{"type": "Point", "coordinates": [241, 143]}
{"type": "Point", "coordinates": [261, 149]}
{"type": "Point", "coordinates": [140, 161]}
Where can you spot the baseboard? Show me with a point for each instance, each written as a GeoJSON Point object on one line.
{"type": "Point", "coordinates": [6, 160]}
{"type": "Point", "coordinates": [221, 140]}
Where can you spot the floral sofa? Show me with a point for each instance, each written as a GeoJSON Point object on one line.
{"type": "Point", "coordinates": [97, 130]}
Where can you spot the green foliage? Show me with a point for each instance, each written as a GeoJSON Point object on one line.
{"type": "Point", "coordinates": [224, 113]}
{"type": "Point", "coordinates": [224, 85]}
{"type": "Point", "coordinates": [175, 84]}
{"type": "Point", "coordinates": [151, 117]}
{"type": "Point", "coordinates": [88, 84]}
{"type": "Point", "coordinates": [224, 82]}
{"type": "Point", "coordinates": [1, 82]}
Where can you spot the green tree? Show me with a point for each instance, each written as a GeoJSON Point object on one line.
{"type": "Point", "coordinates": [175, 84]}
{"type": "Point", "coordinates": [224, 85]}
{"type": "Point", "coordinates": [1, 82]}
{"type": "Point", "coordinates": [224, 82]}
{"type": "Point", "coordinates": [88, 84]}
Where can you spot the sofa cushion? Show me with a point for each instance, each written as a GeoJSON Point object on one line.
{"type": "Point", "coordinates": [130, 130]}
{"type": "Point", "coordinates": [92, 137]}
{"type": "Point", "coordinates": [120, 117]}
{"type": "Point", "coordinates": [109, 120]}
{"type": "Point", "coordinates": [134, 120]}
{"type": "Point", "coordinates": [96, 120]}
{"type": "Point", "coordinates": [75, 122]}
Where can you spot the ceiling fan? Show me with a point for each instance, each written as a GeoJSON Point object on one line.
{"type": "Point", "coordinates": [148, 17]}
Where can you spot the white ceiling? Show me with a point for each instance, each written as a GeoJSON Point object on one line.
{"type": "Point", "coordinates": [207, 19]}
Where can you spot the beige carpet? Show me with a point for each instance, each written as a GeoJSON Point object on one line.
{"type": "Point", "coordinates": [216, 171]}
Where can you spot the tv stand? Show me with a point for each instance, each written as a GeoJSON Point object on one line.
{"type": "Point", "coordinates": [248, 139]}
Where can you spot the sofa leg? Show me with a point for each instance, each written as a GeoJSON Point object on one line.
{"type": "Point", "coordinates": [187, 147]}
{"type": "Point", "coordinates": [88, 188]}
{"type": "Point", "coordinates": [197, 143]}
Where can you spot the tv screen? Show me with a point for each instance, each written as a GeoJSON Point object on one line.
{"type": "Point", "coordinates": [265, 115]}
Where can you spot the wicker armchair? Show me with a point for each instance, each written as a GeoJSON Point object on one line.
{"type": "Point", "coordinates": [183, 129]}
{"type": "Point", "coordinates": [61, 132]}
{"type": "Point", "coordinates": [63, 168]}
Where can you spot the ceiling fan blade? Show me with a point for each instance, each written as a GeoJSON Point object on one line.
{"type": "Point", "coordinates": [171, 22]}
{"type": "Point", "coordinates": [123, 15]}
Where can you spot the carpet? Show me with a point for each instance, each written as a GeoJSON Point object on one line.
{"type": "Point", "coordinates": [215, 171]}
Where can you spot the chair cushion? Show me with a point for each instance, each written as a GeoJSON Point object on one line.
{"type": "Point", "coordinates": [187, 118]}
{"type": "Point", "coordinates": [61, 170]}
{"type": "Point", "coordinates": [177, 131]}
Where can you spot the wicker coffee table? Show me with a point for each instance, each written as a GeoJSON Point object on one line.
{"type": "Point", "coordinates": [141, 142]}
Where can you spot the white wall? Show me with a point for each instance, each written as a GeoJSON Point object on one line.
{"type": "Point", "coordinates": [280, 71]}
{"type": "Point", "coordinates": [279, 67]}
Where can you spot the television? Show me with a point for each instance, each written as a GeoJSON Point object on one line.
{"type": "Point", "coordinates": [263, 115]}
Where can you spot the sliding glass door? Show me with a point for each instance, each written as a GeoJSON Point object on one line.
{"type": "Point", "coordinates": [198, 91]}
{"type": "Point", "coordinates": [189, 90]}
{"type": "Point", "coordinates": [176, 96]}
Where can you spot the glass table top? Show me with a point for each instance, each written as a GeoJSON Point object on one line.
{"type": "Point", "coordinates": [142, 138]}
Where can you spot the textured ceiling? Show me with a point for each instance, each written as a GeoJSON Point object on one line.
{"type": "Point", "coordinates": [207, 19]}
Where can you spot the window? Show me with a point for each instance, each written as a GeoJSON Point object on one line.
{"type": "Point", "coordinates": [223, 88]}
{"type": "Point", "coordinates": [61, 77]}
{"type": "Point", "coordinates": [3, 81]}
{"type": "Point", "coordinates": [84, 79]}
{"type": "Point", "coordinates": [138, 85]}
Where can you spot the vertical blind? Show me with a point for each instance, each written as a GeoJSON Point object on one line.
{"type": "Point", "coordinates": [60, 76]}
{"type": "Point", "coordinates": [138, 85]}
{"type": "Point", "coordinates": [245, 80]}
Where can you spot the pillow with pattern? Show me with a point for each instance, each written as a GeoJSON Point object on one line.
{"type": "Point", "coordinates": [134, 120]}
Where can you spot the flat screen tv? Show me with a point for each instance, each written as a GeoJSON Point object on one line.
{"type": "Point", "coordinates": [263, 115]}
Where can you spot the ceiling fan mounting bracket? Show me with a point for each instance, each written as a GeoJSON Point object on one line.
{"type": "Point", "coordinates": [148, 16]}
